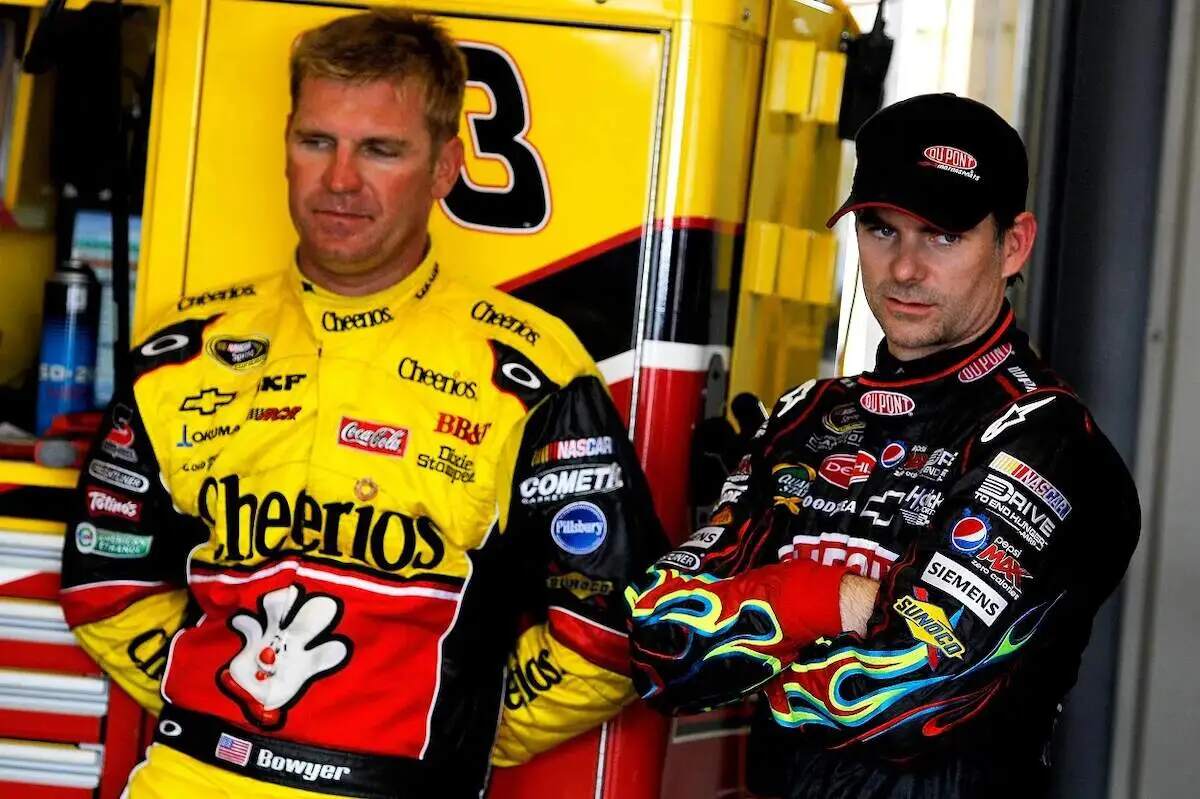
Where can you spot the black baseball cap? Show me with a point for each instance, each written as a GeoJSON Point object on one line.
{"type": "Point", "coordinates": [943, 159]}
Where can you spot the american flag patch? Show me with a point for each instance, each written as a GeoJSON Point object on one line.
{"type": "Point", "coordinates": [233, 750]}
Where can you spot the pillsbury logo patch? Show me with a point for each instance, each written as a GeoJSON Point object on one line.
{"type": "Point", "coordinates": [579, 528]}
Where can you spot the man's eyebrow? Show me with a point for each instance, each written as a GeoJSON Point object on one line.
{"type": "Point", "coordinates": [389, 141]}
{"type": "Point", "coordinates": [869, 216]}
{"type": "Point", "coordinates": [312, 133]}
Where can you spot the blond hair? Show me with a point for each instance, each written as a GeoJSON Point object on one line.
{"type": "Point", "coordinates": [393, 45]}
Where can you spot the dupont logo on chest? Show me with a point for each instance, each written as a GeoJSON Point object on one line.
{"type": "Point", "coordinates": [985, 364]}
{"type": "Point", "coordinates": [373, 437]}
{"type": "Point", "coordinates": [887, 403]}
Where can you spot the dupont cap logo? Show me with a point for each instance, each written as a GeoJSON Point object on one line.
{"type": "Point", "coordinates": [951, 157]}
{"type": "Point", "coordinates": [887, 403]}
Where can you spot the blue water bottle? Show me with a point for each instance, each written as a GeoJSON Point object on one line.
{"type": "Point", "coordinates": [70, 326]}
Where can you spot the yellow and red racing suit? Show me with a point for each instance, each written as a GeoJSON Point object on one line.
{"type": "Point", "coordinates": [317, 525]}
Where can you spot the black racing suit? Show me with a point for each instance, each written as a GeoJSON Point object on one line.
{"type": "Point", "coordinates": [976, 487]}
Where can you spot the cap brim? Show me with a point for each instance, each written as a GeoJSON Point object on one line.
{"type": "Point", "coordinates": [851, 205]}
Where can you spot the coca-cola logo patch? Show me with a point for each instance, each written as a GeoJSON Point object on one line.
{"type": "Point", "coordinates": [887, 403]}
{"type": "Point", "coordinates": [985, 364]}
{"type": "Point", "coordinates": [373, 437]}
{"type": "Point", "coordinates": [105, 503]}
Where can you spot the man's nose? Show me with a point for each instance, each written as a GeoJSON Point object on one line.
{"type": "Point", "coordinates": [906, 267]}
{"type": "Point", "coordinates": [341, 174]}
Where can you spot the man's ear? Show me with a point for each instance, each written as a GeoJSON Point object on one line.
{"type": "Point", "coordinates": [447, 166]}
{"type": "Point", "coordinates": [1018, 244]}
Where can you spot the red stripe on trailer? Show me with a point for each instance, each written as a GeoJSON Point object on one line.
{"type": "Point", "coordinates": [57, 727]}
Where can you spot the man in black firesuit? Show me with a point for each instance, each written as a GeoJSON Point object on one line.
{"type": "Point", "coordinates": [906, 564]}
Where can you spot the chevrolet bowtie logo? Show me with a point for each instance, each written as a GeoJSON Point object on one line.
{"type": "Point", "coordinates": [207, 401]}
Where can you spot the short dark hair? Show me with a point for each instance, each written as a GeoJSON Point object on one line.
{"type": "Point", "coordinates": [387, 45]}
{"type": "Point", "coordinates": [1004, 223]}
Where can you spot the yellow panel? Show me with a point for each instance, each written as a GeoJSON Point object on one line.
{"type": "Point", "coordinates": [750, 15]}
{"type": "Point", "coordinates": [31, 525]}
{"type": "Point", "coordinates": [171, 158]}
{"type": "Point", "coordinates": [791, 79]}
{"type": "Point", "coordinates": [22, 473]}
{"type": "Point", "coordinates": [822, 265]}
{"type": "Point", "coordinates": [828, 79]}
{"type": "Point", "coordinates": [28, 259]}
{"type": "Point", "coordinates": [709, 122]}
{"type": "Point", "coordinates": [592, 127]}
{"type": "Point", "coordinates": [28, 190]}
{"type": "Point", "coordinates": [762, 255]}
{"type": "Point", "coordinates": [778, 339]}
{"type": "Point", "coordinates": [794, 264]}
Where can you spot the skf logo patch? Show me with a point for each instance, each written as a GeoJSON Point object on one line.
{"type": "Point", "coordinates": [279, 382]}
{"type": "Point", "coordinates": [928, 624]}
{"type": "Point", "coordinates": [462, 428]}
